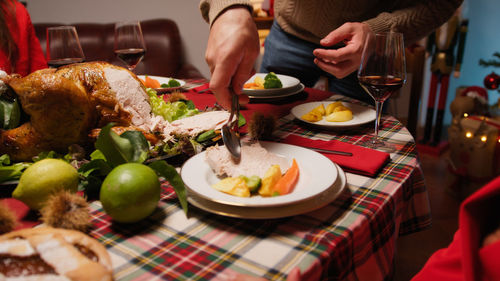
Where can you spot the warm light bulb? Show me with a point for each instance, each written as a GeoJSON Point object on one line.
{"type": "Point", "coordinates": [484, 138]}
{"type": "Point", "coordinates": [468, 135]}
{"type": "Point", "coordinates": [466, 115]}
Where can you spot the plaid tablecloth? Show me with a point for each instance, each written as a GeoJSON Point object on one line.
{"type": "Point", "coordinates": [352, 238]}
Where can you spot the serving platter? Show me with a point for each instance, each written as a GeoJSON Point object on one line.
{"type": "Point", "coordinates": [164, 80]}
{"type": "Point", "coordinates": [317, 174]}
{"type": "Point", "coordinates": [272, 212]}
{"type": "Point", "coordinates": [361, 114]}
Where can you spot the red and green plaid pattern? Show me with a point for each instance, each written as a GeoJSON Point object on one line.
{"type": "Point", "coordinates": [353, 238]}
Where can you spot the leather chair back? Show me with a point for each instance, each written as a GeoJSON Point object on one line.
{"type": "Point", "coordinates": [164, 51]}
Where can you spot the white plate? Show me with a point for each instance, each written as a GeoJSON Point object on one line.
{"type": "Point", "coordinates": [361, 114]}
{"type": "Point", "coordinates": [288, 82]}
{"type": "Point", "coordinates": [305, 206]}
{"type": "Point", "coordinates": [164, 80]}
{"type": "Point", "coordinates": [299, 88]}
{"type": "Point", "coordinates": [317, 173]}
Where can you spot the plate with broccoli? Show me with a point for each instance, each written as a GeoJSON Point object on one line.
{"type": "Point", "coordinates": [270, 84]}
{"type": "Point", "coordinates": [162, 84]}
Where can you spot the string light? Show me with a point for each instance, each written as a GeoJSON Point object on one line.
{"type": "Point", "coordinates": [484, 138]}
{"type": "Point", "coordinates": [466, 115]}
{"type": "Point", "coordinates": [468, 135]}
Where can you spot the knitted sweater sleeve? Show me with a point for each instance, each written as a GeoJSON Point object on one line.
{"type": "Point", "coordinates": [210, 9]}
{"type": "Point", "coordinates": [417, 20]}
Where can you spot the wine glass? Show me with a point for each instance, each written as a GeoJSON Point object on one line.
{"type": "Point", "coordinates": [129, 43]}
{"type": "Point", "coordinates": [382, 72]}
{"type": "Point", "coordinates": [63, 46]}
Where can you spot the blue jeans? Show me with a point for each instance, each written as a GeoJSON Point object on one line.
{"type": "Point", "coordinates": [289, 55]}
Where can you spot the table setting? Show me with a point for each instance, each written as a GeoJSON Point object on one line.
{"type": "Point", "coordinates": [340, 220]}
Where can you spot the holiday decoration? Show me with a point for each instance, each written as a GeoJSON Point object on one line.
{"type": "Point", "coordinates": [492, 80]}
{"type": "Point", "coordinates": [447, 47]}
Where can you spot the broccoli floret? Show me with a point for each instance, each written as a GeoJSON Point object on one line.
{"type": "Point", "coordinates": [271, 81]}
{"type": "Point", "coordinates": [173, 83]}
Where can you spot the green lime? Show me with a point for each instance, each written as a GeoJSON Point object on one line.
{"type": "Point", "coordinates": [130, 192]}
{"type": "Point", "coordinates": [42, 179]}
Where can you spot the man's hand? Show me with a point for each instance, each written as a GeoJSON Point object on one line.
{"type": "Point", "coordinates": [233, 46]}
{"type": "Point", "coordinates": [343, 61]}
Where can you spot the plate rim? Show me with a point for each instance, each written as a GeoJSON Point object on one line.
{"type": "Point", "coordinates": [242, 204]}
{"type": "Point", "coordinates": [299, 89]}
{"type": "Point", "coordinates": [275, 212]}
{"type": "Point", "coordinates": [334, 124]}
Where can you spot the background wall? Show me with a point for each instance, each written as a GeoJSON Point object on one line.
{"type": "Point", "coordinates": [482, 41]}
{"type": "Point", "coordinates": [193, 28]}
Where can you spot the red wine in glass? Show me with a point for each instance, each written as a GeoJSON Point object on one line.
{"type": "Point", "coordinates": [131, 56]}
{"type": "Point", "coordinates": [382, 71]}
{"type": "Point", "coordinates": [129, 43]}
{"type": "Point", "coordinates": [63, 46]}
{"type": "Point", "coordinates": [62, 62]}
{"type": "Point", "coordinates": [380, 87]}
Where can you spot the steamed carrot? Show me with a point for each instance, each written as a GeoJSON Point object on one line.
{"type": "Point", "coordinates": [286, 184]}
{"type": "Point", "coordinates": [152, 83]}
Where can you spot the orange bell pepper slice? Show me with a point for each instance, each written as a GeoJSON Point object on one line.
{"type": "Point", "coordinates": [286, 184]}
{"type": "Point", "coordinates": [151, 83]}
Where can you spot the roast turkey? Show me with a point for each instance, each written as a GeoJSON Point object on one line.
{"type": "Point", "coordinates": [65, 104]}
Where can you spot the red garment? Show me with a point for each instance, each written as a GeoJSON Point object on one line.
{"type": "Point", "coordinates": [30, 56]}
{"type": "Point", "coordinates": [465, 259]}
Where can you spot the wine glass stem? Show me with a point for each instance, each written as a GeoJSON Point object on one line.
{"type": "Point", "coordinates": [378, 110]}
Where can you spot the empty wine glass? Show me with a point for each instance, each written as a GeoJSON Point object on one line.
{"type": "Point", "coordinates": [382, 72]}
{"type": "Point", "coordinates": [129, 43]}
{"type": "Point", "coordinates": [63, 46]}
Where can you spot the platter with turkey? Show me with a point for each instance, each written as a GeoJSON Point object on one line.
{"type": "Point", "coordinates": [82, 110]}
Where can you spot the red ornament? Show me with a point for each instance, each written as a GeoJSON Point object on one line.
{"type": "Point", "coordinates": [491, 81]}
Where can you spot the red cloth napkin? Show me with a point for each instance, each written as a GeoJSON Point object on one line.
{"type": "Point", "coordinates": [202, 89]}
{"type": "Point", "coordinates": [364, 161]}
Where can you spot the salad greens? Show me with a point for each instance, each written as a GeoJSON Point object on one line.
{"type": "Point", "coordinates": [113, 149]}
{"type": "Point", "coordinates": [10, 112]}
{"type": "Point", "coordinates": [170, 111]}
{"type": "Point", "coordinates": [11, 171]}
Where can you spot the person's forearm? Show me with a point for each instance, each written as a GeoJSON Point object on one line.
{"type": "Point", "coordinates": [211, 9]}
{"type": "Point", "coordinates": [415, 21]}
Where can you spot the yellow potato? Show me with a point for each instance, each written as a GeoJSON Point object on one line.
{"type": "Point", "coordinates": [339, 116]}
{"type": "Point", "coordinates": [340, 108]}
{"type": "Point", "coordinates": [272, 176]}
{"type": "Point", "coordinates": [234, 186]}
{"type": "Point", "coordinates": [312, 116]}
{"type": "Point", "coordinates": [259, 81]}
{"type": "Point", "coordinates": [320, 109]}
{"type": "Point", "coordinates": [330, 107]}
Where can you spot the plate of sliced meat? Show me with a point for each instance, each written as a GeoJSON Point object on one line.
{"type": "Point", "coordinates": [317, 173]}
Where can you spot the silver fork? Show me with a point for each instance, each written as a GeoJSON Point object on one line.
{"type": "Point", "coordinates": [230, 131]}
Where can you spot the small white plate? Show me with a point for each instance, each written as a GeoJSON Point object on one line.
{"type": "Point", "coordinates": [305, 206]}
{"type": "Point", "coordinates": [288, 83]}
{"type": "Point", "coordinates": [297, 89]}
{"type": "Point", "coordinates": [317, 173]}
{"type": "Point", "coordinates": [361, 114]}
{"type": "Point", "coordinates": [164, 80]}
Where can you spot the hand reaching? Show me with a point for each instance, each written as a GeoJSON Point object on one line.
{"type": "Point", "coordinates": [233, 46]}
{"type": "Point", "coordinates": [343, 61]}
